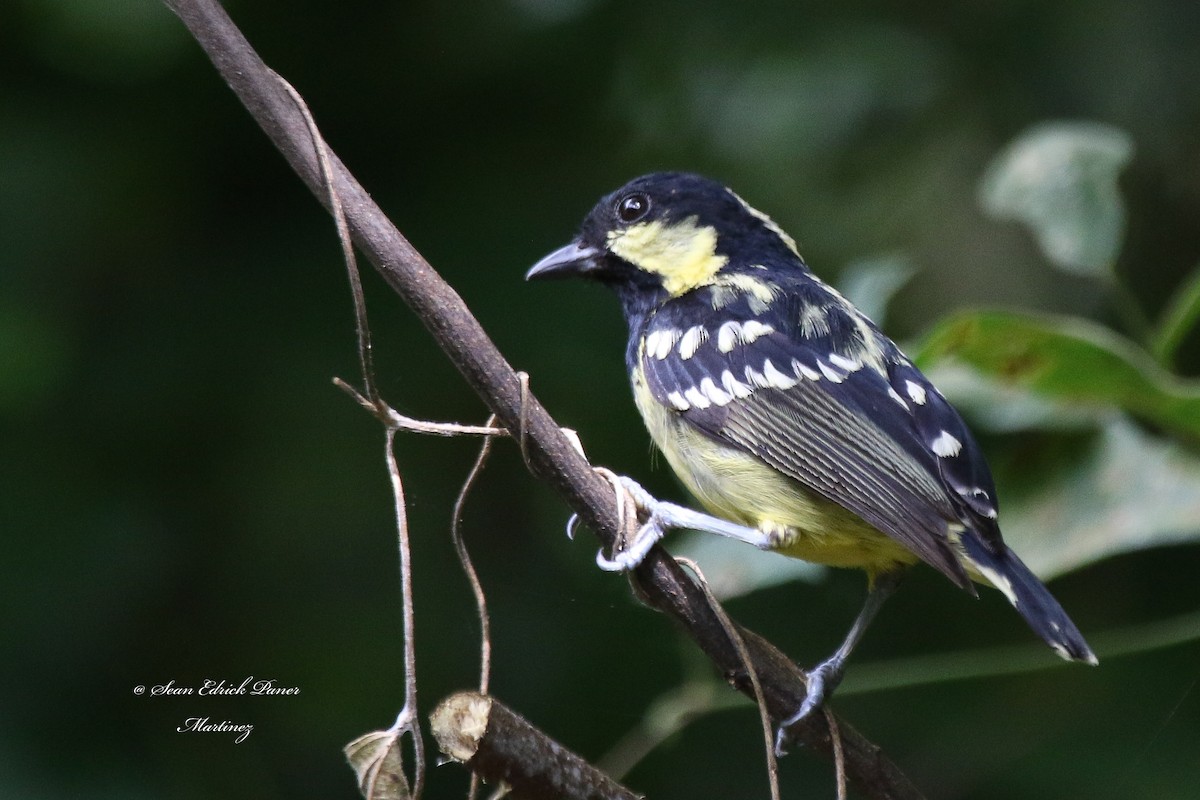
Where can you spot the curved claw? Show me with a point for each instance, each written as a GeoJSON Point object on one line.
{"type": "Point", "coordinates": [572, 526]}
{"type": "Point", "coordinates": [636, 551]}
{"type": "Point", "coordinates": [610, 564]}
{"type": "Point", "coordinates": [822, 680]}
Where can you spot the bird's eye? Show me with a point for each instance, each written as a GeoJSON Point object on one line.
{"type": "Point", "coordinates": [633, 207]}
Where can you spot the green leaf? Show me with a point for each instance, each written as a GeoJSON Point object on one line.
{"type": "Point", "coordinates": [1060, 179]}
{"type": "Point", "coordinates": [1067, 359]}
{"type": "Point", "coordinates": [1178, 320]}
{"type": "Point", "coordinates": [1004, 407]}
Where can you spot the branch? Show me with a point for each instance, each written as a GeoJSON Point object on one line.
{"type": "Point", "coordinates": [550, 455]}
{"type": "Point", "coordinates": [502, 747]}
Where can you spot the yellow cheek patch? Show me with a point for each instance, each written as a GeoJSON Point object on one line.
{"type": "Point", "coordinates": [683, 253]}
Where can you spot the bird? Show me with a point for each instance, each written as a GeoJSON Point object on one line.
{"type": "Point", "coordinates": [796, 423]}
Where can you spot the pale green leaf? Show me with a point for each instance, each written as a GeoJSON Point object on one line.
{"type": "Point", "coordinates": [871, 283]}
{"type": "Point", "coordinates": [1060, 179]}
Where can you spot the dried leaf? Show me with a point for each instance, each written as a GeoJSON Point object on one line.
{"type": "Point", "coordinates": [379, 764]}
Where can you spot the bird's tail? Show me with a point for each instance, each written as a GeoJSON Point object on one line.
{"type": "Point", "coordinates": [1029, 597]}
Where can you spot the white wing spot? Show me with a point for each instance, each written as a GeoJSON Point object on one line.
{"type": "Point", "coordinates": [892, 393]}
{"type": "Point", "coordinates": [729, 335]}
{"type": "Point", "coordinates": [830, 372]}
{"type": "Point", "coordinates": [756, 379]}
{"type": "Point", "coordinates": [850, 365]}
{"type": "Point", "coordinates": [734, 386]}
{"type": "Point", "coordinates": [691, 341]}
{"type": "Point", "coordinates": [777, 378]}
{"type": "Point", "coordinates": [803, 370]}
{"type": "Point", "coordinates": [753, 329]}
{"type": "Point", "coordinates": [660, 342]}
{"type": "Point", "coordinates": [916, 391]}
{"type": "Point", "coordinates": [697, 400]}
{"type": "Point", "coordinates": [650, 343]}
{"type": "Point", "coordinates": [677, 401]}
{"type": "Point", "coordinates": [814, 321]}
{"type": "Point", "coordinates": [710, 390]}
{"type": "Point", "coordinates": [945, 445]}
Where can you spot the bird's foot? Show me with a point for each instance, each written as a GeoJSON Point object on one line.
{"type": "Point", "coordinates": [821, 682]}
{"type": "Point", "coordinates": [659, 520]}
{"type": "Point", "coordinates": [661, 517]}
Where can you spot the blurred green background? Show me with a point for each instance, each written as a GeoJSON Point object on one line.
{"type": "Point", "coordinates": [184, 495]}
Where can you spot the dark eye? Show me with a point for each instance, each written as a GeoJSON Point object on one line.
{"type": "Point", "coordinates": [633, 207]}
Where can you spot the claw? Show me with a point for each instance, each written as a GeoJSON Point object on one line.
{"type": "Point", "coordinates": [822, 680]}
{"type": "Point", "coordinates": [637, 550]}
{"type": "Point", "coordinates": [572, 526]}
{"type": "Point", "coordinates": [610, 564]}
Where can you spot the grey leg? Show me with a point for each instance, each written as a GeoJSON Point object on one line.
{"type": "Point", "coordinates": [824, 678]}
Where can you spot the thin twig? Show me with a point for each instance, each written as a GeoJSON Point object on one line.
{"type": "Point", "coordinates": [464, 558]}
{"type": "Point", "coordinates": [394, 419]}
{"type": "Point", "coordinates": [362, 328]}
{"type": "Point", "coordinates": [760, 701]}
{"type": "Point", "coordinates": [407, 718]}
{"type": "Point", "coordinates": [839, 757]}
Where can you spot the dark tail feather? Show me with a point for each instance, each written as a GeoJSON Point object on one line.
{"type": "Point", "coordinates": [1030, 598]}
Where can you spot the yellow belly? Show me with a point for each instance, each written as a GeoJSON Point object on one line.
{"type": "Point", "coordinates": [739, 487]}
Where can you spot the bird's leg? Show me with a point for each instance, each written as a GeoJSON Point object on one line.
{"type": "Point", "coordinates": [661, 517]}
{"type": "Point", "coordinates": [825, 677]}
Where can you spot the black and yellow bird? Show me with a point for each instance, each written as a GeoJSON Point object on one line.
{"type": "Point", "coordinates": [786, 412]}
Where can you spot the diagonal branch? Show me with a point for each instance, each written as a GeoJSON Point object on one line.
{"type": "Point", "coordinates": [550, 455]}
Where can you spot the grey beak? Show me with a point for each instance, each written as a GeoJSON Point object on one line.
{"type": "Point", "coordinates": [573, 259]}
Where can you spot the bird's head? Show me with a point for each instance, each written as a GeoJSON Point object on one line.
{"type": "Point", "coordinates": [665, 234]}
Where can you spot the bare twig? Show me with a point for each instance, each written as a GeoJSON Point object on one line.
{"type": "Point", "coordinates": [763, 715]}
{"type": "Point", "coordinates": [407, 720]}
{"type": "Point", "coordinates": [464, 557]}
{"type": "Point", "coordinates": [839, 757]}
{"type": "Point", "coordinates": [551, 456]}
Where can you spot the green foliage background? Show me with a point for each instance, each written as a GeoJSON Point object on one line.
{"type": "Point", "coordinates": [184, 495]}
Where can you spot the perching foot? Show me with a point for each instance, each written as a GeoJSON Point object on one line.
{"type": "Point", "coordinates": [822, 680]}
{"type": "Point", "coordinates": [661, 517]}
{"type": "Point", "coordinates": [658, 522]}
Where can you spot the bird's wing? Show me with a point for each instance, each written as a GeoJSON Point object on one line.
{"type": "Point", "coordinates": [895, 454]}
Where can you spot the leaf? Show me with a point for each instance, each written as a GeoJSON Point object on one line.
{"type": "Point", "coordinates": [1004, 407]}
{"type": "Point", "coordinates": [1179, 319]}
{"type": "Point", "coordinates": [379, 764]}
{"type": "Point", "coordinates": [1127, 491]}
{"type": "Point", "coordinates": [871, 283]}
{"type": "Point", "coordinates": [1060, 179]}
{"type": "Point", "coordinates": [1066, 359]}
